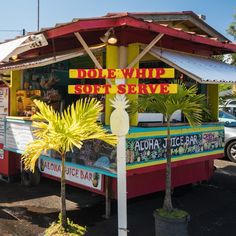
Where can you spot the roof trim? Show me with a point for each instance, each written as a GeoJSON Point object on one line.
{"type": "Point", "coordinates": [106, 23]}
{"type": "Point", "coordinates": [47, 60]}
{"type": "Point", "coordinates": [177, 16]}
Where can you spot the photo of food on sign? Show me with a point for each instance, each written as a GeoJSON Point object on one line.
{"type": "Point", "coordinates": [94, 153]}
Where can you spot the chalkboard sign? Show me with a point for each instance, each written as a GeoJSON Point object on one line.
{"type": "Point", "coordinates": [18, 135]}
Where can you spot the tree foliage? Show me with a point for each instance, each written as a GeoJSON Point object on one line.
{"type": "Point", "coordinates": [232, 31]}
{"type": "Point", "coordinates": [190, 103]}
{"type": "Point", "coordinates": [62, 132]}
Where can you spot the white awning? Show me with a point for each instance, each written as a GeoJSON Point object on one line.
{"type": "Point", "coordinates": [47, 60]}
{"type": "Point", "coordinates": [202, 69]}
{"type": "Point", "coordinates": [21, 45]}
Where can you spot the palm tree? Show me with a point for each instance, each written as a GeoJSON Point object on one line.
{"type": "Point", "coordinates": [190, 103]}
{"type": "Point", "coordinates": [62, 132]}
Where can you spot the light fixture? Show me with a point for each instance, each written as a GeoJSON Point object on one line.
{"type": "Point", "coordinates": [109, 37]}
{"type": "Point", "coordinates": [14, 57]}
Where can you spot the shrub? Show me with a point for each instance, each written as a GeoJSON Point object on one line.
{"type": "Point", "coordinates": [72, 229]}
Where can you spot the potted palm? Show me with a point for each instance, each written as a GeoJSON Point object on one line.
{"type": "Point", "coordinates": [191, 104]}
{"type": "Point", "coordinates": [61, 133]}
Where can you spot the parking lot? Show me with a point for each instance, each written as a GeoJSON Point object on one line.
{"type": "Point", "coordinates": [212, 206]}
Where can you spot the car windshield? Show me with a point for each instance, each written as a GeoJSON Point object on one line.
{"type": "Point", "coordinates": [223, 114]}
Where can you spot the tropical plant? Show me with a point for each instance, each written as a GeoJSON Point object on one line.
{"type": "Point", "coordinates": [232, 31]}
{"type": "Point", "coordinates": [62, 132]}
{"type": "Point", "coordinates": [190, 103]}
{"type": "Point", "coordinates": [73, 229]}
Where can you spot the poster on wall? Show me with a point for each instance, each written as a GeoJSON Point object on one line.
{"type": "Point", "coordinates": [74, 174]}
{"type": "Point", "coordinates": [1, 154]}
{"type": "Point", "coordinates": [4, 101]}
{"type": "Point", "coordinates": [24, 101]}
{"type": "Point", "coordinates": [4, 109]}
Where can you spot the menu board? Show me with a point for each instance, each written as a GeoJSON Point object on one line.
{"type": "Point", "coordinates": [4, 101]}
{"type": "Point", "coordinates": [1, 131]}
{"type": "Point", "coordinates": [18, 135]}
{"type": "Point", "coordinates": [4, 95]}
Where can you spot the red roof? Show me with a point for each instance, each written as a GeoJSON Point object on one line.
{"type": "Point", "coordinates": [128, 29]}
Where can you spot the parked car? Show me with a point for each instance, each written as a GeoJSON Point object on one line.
{"type": "Point", "coordinates": [230, 134]}
{"type": "Point", "coordinates": [229, 106]}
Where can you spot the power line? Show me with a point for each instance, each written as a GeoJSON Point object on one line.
{"type": "Point", "coordinates": [23, 31]}
{"type": "Point", "coordinates": [10, 30]}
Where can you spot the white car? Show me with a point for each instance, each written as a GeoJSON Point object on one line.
{"type": "Point", "coordinates": [230, 134]}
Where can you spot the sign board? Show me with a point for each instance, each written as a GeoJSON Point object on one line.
{"type": "Point", "coordinates": [123, 88]}
{"type": "Point", "coordinates": [128, 73]}
{"type": "Point", "coordinates": [74, 174]}
{"type": "Point", "coordinates": [4, 101]}
{"type": "Point", "coordinates": [4, 111]}
{"type": "Point", "coordinates": [18, 135]}
{"type": "Point", "coordinates": [153, 149]}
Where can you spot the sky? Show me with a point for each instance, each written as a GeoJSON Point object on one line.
{"type": "Point", "coordinates": [17, 15]}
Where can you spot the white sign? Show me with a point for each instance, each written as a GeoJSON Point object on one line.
{"type": "Point", "coordinates": [4, 95]}
{"type": "Point", "coordinates": [74, 174]}
{"type": "Point", "coordinates": [18, 135]}
{"type": "Point", "coordinates": [4, 100]}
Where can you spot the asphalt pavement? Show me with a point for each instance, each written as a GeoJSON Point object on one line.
{"type": "Point", "coordinates": [211, 205]}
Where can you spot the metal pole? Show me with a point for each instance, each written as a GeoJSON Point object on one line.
{"type": "Point", "coordinates": [38, 16]}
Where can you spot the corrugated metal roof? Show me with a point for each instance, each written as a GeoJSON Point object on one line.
{"type": "Point", "coordinates": [202, 69]}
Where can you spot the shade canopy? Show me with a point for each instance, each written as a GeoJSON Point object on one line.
{"type": "Point", "coordinates": [20, 45]}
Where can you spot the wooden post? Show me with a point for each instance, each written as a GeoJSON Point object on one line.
{"type": "Point", "coordinates": [108, 197]}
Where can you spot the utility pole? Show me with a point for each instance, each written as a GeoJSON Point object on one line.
{"type": "Point", "coordinates": [38, 7]}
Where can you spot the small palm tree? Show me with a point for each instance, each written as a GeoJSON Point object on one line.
{"type": "Point", "coordinates": [63, 132]}
{"type": "Point", "coordinates": [190, 103]}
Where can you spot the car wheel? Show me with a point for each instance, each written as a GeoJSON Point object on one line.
{"type": "Point", "coordinates": [231, 151]}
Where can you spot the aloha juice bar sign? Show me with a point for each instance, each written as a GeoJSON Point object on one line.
{"type": "Point", "coordinates": [187, 143]}
{"type": "Point", "coordinates": [74, 174]}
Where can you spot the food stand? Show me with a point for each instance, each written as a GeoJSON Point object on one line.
{"type": "Point", "coordinates": [141, 44]}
